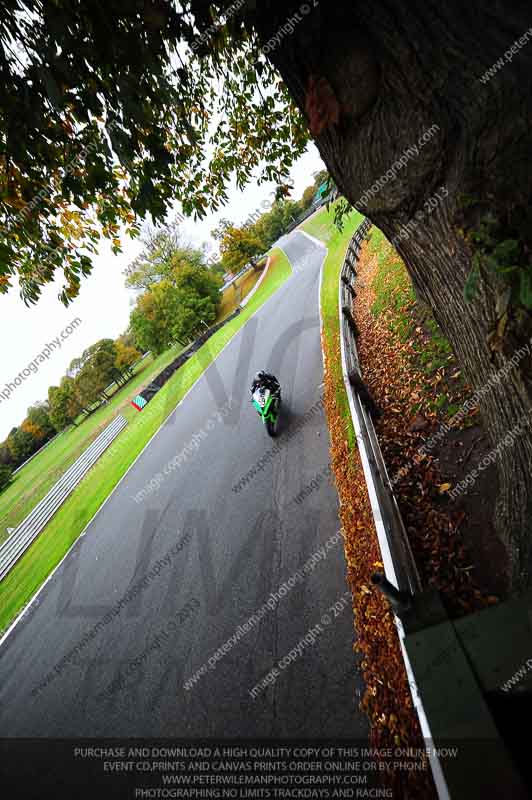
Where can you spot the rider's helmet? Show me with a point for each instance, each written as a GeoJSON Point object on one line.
{"type": "Point", "coordinates": [259, 376]}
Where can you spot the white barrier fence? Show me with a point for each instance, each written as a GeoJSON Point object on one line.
{"type": "Point", "coordinates": [28, 530]}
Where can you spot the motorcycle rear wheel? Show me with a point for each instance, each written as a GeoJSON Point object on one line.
{"type": "Point", "coordinates": [271, 427]}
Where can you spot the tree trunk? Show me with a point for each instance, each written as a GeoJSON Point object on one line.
{"type": "Point", "coordinates": [374, 79]}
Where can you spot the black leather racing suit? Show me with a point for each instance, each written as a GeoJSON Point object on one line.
{"type": "Point", "coordinates": [269, 382]}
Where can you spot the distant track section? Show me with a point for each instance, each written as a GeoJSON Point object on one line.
{"type": "Point", "coordinates": [28, 530]}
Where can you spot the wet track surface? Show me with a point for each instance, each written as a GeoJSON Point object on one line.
{"type": "Point", "coordinates": [206, 551]}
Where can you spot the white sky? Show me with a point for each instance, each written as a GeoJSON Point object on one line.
{"type": "Point", "coordinates": [103, 304]}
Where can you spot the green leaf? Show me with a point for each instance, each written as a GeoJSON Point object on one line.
{"type": "Point", "coordinates": [525, 288]}
{"type": "Point", "coordinates": [471, 285]}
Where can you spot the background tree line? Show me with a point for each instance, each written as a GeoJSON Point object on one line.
{"type": "Point", "coordinates": [239, 245]}
{"type": "Point", "coordinates": [178, 292]}
{"type": "Point", "coordinates": [179, 286]}
{"type": "Point", "coordinates": [81, 390]}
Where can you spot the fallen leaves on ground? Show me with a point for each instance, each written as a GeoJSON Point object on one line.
{"type": "Point", "coordinates": [406, 398]}
{"type": "Point", "coordinates": [400, 389]}
{"type": "Point", "coordinates": [387, 700]}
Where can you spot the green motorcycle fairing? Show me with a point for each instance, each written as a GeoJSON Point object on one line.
{"type": "Point", "coordinates": [264, 402]}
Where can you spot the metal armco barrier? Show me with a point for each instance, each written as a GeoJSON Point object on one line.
{"type": "Point", "coordinates": [28, 530]}
{"type": "Point", "coordinates": [399, 562]}
{"type": "Point", "coordinates": [452, 670]}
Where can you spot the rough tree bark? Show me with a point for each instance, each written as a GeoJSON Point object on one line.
{"type": "Point", "coordinates": [386, 72]}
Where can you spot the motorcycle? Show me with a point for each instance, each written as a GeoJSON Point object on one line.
{"type": "Point", "coordinates": [267, 405]}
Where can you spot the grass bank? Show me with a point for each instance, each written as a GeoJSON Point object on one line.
{"type": "Point", "coordinates": [32, 483]}
{"type": "Point", "coordinates": [232, 296]}
{"type": "Point", "coordinates": [321, 224]}
{"type": "Point", "coordinates": [415, 327]}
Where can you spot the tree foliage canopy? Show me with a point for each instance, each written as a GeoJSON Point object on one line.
{"type": "Point", "coordinates": [176, 308]}
{"type": "Point", "coordinates": [64, 403]}
{"type": "Point", "coordinates": [163, 254]}
{"type": "Point", "coordinates": [152, 319]}
{"type": "Point", "coordinates": [36, 429]}
{"type": "Point", "coordinates": [320, 177]}
{"type": "Point", "coordinates": [238, 245]}
{"type": "Point", "coordinates": [110, 113]}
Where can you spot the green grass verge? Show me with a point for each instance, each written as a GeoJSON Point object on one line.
{"type": "Point", "coordinates": [33, 482]}
{"type": "Point", "coordinates": [322, 226]}
{"type": "Point", "coordinates": [74, 515]}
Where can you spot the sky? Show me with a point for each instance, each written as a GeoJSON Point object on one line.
{"type": "Point", "coordinates": [103, 305]}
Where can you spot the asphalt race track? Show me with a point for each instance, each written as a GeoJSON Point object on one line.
{"type": "Point", "coordinates": [206, 557]}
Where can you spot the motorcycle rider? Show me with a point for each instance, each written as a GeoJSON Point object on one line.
{"type": "Point", "coordinates": [266, 380]}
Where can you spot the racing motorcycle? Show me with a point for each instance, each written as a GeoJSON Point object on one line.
{"type": "Point", "coordinates": [267, 404]}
